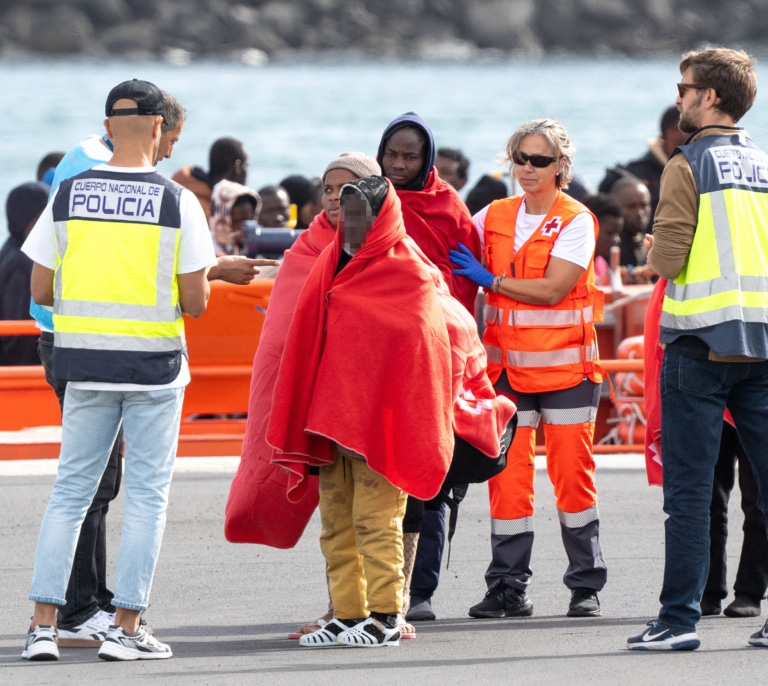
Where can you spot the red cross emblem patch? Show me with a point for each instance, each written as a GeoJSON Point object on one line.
{"type": "Point", "coordinates": [552, 226]}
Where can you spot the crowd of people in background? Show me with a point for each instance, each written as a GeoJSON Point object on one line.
{"type": "Point", "coordinates": [231, 206]}
{"type": "Point", "coordinates": [330, 426]}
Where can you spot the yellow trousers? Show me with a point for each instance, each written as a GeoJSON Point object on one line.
{"type": "Point", "coordinates": [362, 539]}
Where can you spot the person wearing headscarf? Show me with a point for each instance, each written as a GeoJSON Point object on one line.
{"type": "Point", "coordinates": [231, 204]}
{"type": "Point", "coordinates": [22, 208]}
{"type": "Point", "coordinates": [365, 394]}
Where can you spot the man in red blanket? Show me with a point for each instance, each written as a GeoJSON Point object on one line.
{"type": "Point", "coordinates": [364, 391]}
{"type": "Point", "coordinates": [437, 219]}
{"type": "Point", "coordinates": [257, 510]}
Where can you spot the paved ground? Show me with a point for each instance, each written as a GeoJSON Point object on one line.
{"type": "Point", "coordinates": [226, 609]}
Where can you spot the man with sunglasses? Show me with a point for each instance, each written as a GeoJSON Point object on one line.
{"type": "Point", "coordinates": [710, 240]}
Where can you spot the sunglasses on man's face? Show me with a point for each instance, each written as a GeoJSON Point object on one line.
{"type": "Point", "coordinates": [538, 161]}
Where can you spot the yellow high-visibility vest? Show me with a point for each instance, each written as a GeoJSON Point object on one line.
{"type": "Point", "coordinates": [721, 294]}
{"type": "Point", "coordinates": [117, 316]}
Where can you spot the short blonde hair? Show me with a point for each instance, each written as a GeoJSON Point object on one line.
{"type": "Point", "coordinates": [556, 136]}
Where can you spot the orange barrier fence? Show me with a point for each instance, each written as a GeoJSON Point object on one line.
{"type": "Point", "coordinates": [221, 347]}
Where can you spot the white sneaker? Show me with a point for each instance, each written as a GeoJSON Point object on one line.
{"type": "Point", "coordinates": [90, 634]}
{"type": "Point", "coordinates": [41, 644]}
{"type": "Point", "coordinates": [119, 645]}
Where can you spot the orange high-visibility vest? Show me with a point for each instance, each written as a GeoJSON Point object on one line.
{"type": "Point", "coordinates": [542, 348]}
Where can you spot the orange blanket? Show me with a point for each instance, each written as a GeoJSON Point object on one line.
{"type": "Point", "coordinates": [257, 510]}
{"type": "Point", "coordinates": [367, 365]}
{"type": "Point", "coordinates": [438, 220]}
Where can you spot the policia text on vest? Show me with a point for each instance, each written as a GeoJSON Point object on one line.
{"type": "Point", "coordinates": [110, 199]}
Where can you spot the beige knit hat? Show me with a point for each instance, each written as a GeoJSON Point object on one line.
{"type": "Point", "coordinates": [360, 164]}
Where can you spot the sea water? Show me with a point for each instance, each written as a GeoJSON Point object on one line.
{"type": "Point", "coordinates": [294, 117]}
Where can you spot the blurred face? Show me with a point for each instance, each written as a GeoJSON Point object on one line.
{"type": "Point", "coordinates": [635, 203]}
{"type": "Point", "coordinates": [448, 171]}
{"type": "Point", "coordinates": [334, 180]}
{"type": "Point", "coordinates": [241, 212]}
{"type": "Point", "coordinates": [274, 210]}
{"type": "Point", "coordinates": [168, 139]}
{"type": "Point", "coordinates": [535, 179]}
{"type": "Point", "coordinates": [355, 221]}
{"type": "Point", "coordinates": [403, 157]}
{"type": "Point", "coordinates": [610, 235]}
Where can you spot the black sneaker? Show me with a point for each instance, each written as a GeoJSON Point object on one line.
{"type": "Point", "coordinates": [420, 610]}
{"type": "Point", "coordinates": [743, 606]}
{"type": "Point", "coordinates": [502, 601]}
{"type": "Point", "coordinates": [710, 607]}
{"type": "Point", "coordinates": [661, 637]}
{"type": "Point", "coordinates": [584, 603]}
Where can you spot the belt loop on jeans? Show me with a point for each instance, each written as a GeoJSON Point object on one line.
{"type": "Point", "coordinates": [46, 336]}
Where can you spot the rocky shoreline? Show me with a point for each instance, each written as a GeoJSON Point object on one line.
{"type": "Point", "coordinates": [258, 31]}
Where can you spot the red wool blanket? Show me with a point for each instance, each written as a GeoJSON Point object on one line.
{"type": "Point", "coordinates": [367, 365]}
{"type": "Point", "coordinates": [257, 510]}
{"type": "Point", "coordinates": [438, 220]}
{"type": "Point", "coordinates": [652, 358]}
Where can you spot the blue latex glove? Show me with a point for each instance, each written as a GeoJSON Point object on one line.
{"type": "Point", "coordinates": [470, 267]}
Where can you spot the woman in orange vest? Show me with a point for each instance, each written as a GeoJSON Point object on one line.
{"type": "Point", "coordinates": [542, 351]}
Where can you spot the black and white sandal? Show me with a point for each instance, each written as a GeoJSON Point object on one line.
{"type": "Point", "coordinates": [326, 636]}
{"type": "Point", "coordinates": [370, 634]}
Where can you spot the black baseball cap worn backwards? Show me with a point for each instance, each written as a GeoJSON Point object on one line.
{"type": "Point", "coordinates": [148, 97]}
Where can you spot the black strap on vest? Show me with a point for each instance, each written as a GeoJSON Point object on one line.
{"type": "Point", "coordinates": [459, 492]}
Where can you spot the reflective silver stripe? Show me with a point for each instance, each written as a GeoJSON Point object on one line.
{"type": "Point", "coordinates": [165, 270]}
{"type": "Point", "coordinates": [511, 527]}
{"type": "Point", "coordinates": [549, 317]}
{"type": "Point", "coordinates": [575, 520]}
{"type": "Point", "coordinates": [722, 233]}
{"type": "Point", "coordinates": [550, 358]}
{"type": "Point", "coordinates": [569, 416]}
{"type": "Point", "coordinates": [144, 313]}
{"type": "Point", "coordinates": [528, 418]}
{"type": "Point", "coordinates": [125, 343]}
{"type": "Point", "coordinates": [493, 353]}
{"type": "Point", "coordinates": [492, 314]}
{"type": "Point", "coordinates": [731, 282]}
{"type": "Point", "coordinates": [62, 240]}
{"type": "Point", "coordinates": [687, 322]}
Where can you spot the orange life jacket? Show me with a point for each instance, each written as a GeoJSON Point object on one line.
{"type": "Point", "coordinates": [542, 348]}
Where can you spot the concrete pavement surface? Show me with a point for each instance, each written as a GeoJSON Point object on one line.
{"type": "Point", "coordinates": [226, 609]}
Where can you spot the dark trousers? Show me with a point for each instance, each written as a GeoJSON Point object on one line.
{"type": "Point", "coordinates": [429, 552]}
{"type": "Point", "coordinates": [752, 574]}
{"type": "Point", "coordinates": [87, 592]}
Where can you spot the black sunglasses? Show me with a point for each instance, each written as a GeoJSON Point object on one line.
{"type": "Point", "coordinates": [538, 161]}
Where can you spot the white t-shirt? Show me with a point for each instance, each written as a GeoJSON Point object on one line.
{"type": "Point", "coordinates": [195, 253]}
{"type": "Point", "coordinates": [575, 243]}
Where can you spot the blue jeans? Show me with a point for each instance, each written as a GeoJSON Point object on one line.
{"type": "Point", "coordinates": [694, 394]}
{"type": "Point", "coordinates": [90, 424]}
{"type": "Point", "coordinates": [88, 591]}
